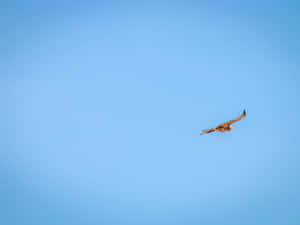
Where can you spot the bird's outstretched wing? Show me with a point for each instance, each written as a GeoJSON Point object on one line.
{"type": "Point", "coordinates": [235, 120]}
{"type": "Point", "coordinates": [208, 131]}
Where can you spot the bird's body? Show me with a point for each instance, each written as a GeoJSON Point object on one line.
{"type": "Point", "coordinates": [224, 127]}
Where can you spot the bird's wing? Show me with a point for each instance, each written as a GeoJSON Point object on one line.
{"type": "Point", "coordinates": [208, 131]}
{"type": "Point", "coordinates": [235, 120]}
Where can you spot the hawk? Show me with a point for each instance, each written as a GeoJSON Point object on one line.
{"type": "Point", "coordinates": [224, 127]}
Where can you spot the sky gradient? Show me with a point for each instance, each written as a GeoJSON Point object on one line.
{"type": "Point", "coordinates": [103, 104]}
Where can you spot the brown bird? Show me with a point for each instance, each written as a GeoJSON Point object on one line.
{"type": "Point", "coordinates": [224, 127]}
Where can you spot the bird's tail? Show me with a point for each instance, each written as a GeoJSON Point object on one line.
{"type": "Point", "coordinates": [207, 131]}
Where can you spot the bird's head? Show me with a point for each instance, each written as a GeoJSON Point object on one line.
{"type": "Point", "coordinates": [231, 127]}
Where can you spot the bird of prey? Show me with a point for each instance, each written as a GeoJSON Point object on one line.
{"type": "Point", "coordinates": [224, 127]}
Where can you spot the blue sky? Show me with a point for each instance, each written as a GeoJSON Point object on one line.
{"type": "Point", "coordinates": [103, 104]}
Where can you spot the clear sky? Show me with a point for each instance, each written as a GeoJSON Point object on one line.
{"type": "Point", "coordinates": [103, 103]}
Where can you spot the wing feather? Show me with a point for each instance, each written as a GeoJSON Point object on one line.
{"type": "Point", "coordinates": [208, 131]}
{"type": "Point", "coordinates": [235, 120]}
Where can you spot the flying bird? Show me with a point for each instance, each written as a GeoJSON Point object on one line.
{"type": "Point", "coordinates": [224, 127]}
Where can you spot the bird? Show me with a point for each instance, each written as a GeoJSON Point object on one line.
{"type": "Point", "coordinates": [224, 127]}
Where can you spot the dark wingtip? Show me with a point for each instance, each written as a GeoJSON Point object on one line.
{"type": "Point", "coordinates": [244, 112]}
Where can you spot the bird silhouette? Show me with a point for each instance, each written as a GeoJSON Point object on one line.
{"type": "Point", "coordinates": [224, 127]}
